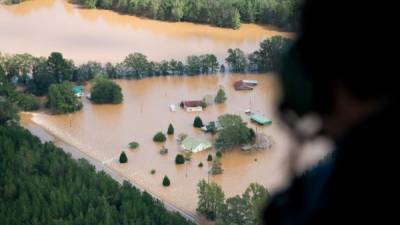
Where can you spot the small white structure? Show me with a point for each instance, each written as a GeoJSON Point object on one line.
{"type": "Point", "coordinates": [194, 109]}
{"type": "Point", "coordinates": [88, 96]}
{"type": "Point", "coordinates": [250, 82]}
{"type": "Point", "coordinates": [172, 108]}
{"type": "Point", "coordinates": [247, 111]}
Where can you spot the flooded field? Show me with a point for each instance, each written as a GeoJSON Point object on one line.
{"type": "Point", "coordinates": [39, 27]}
{"type": "Point", "coordinates": [103, 131]}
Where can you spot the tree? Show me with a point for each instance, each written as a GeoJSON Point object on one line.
{"type": "Point", "coordinates": [233, 132]}
{"type": "Point", "coordinates": [136, 65]}
{"type": "Point", "coordinates": [245, 209]}
{"type": "Point", "coordinates": [221, 97]}
{"type": "Point", "coordinates": [166, 181]}
{"type": "Point", "coordinates": [200, 164]}
{"type": "Point", "coordinates": [159, 137]}
{"type": "Point", "coordinates": [209, 158]}
{"type": "Point", "coordinates": [236, 60]}
{"type": "Point", "coordinates": [179, 159]}
{"type": "Point", "coordinates": [210, 199]}
{"type": "Point", "coordinates": [211, 127]}
{"type": "Point", "coordinates": [41, 79]}
{"type": "Point", "coordinates": [59, 68]}
{"type": "Point", "coordinates": [40, 181]}
{"type": "Point", "coordinates": [219, 154]}
{"type": "Point", "coordinates": [198, 123]}
{"type": "Point", "coordinates": [269, 56]}
{"type": "Point", "coordinates": [170, 129]}
{"type": "Point", "coordinates": [123, 158]}
{"type": "Point", "coordinates": [8, 111]}
{"type": "Point", "coordinates": [105, 91]}
{"type": "Point", "coordinates": [62, 98]}
{"type": "Point", "coordinates": [216, 167]}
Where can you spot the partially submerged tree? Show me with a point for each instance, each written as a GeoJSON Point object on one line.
{"type": "Point", "coordinates": [123, 158]}
{"type": "Point", "coordinates": [221, 96]}
{"type": "Point", "coordinates": [159, 137]}
{"type": "Point", "coordinates": [179, 159]}
{"type": "Point", "coordinates": [198, 123]}
{"type": "Point", "coordinates": [133, 145]}
{"type": "Point", "coordinates": [166, 181]}
{"type": "Point", "coordinates": [216, 167]}
{"type": "Point", "coordinates": [105, 91]}
{"type": "Point", "coordinates": [62, 99]}
{"type": "Point", "coordinates": [170, 129]}
{"type": "Point", "coordinates": [233, 132]}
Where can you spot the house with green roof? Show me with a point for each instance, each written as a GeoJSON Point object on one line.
{"type": "Point", "coordinates": [260, 119]}
{"type": "Point", "coordinates": [195, 144]}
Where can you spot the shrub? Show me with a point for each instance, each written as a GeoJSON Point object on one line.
{"type": "Point", "coordinates": [133, 145]}
{"type": "Point", "coordinates": [200, 164]}
{"type": "Point", "coordinates": [209, 158]}
{"type": "Point", "coordinates": [219, 154]}
{"type": "Point", "coordinates": [179, 159]}
{"type": "Point", "coordinates": [198, 123]}
{"type": "Point", "coordinates": [159, 137]}
{"type": "Point", "coordinates": [153, 171]}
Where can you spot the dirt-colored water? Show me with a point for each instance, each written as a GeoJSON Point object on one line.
{"type": "Point", "coordinates": [42, 26]}
{"type": "Point", "coordinates": [103, 131]}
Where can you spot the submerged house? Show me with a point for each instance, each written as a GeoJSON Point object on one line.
{"type": "Point", "coordinates": [260, 119]}
{"type": "Point", "coordinates": [240, 86]}
{"type": "Point", "coordinates": [195, 144]}
{"type": "Point", "coordinates": [192, 106]}
{"type": "Point", "coordinates": [78, 91]}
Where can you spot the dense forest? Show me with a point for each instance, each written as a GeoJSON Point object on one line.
{"type": "Point", "coordinates": [222, 13]}
{"type": "Point", "coordinates": [40, 184]}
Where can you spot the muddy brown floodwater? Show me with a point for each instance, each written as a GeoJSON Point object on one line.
{"type": "Point", "coordinates": [103, 131]}
{"type": "Point", "coordinates": [39, 27]}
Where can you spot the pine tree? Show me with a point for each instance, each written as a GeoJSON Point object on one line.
{"type": "Point", "coordinates": [170, 130]}
{"type": "Point", "coordinates": [166, 181]}
{"type": "Point", "coordinates": [221, 97]}
{"type": "Point", "coordinates": [198, 123]}
{"type": "Point", "coordinates": [123, 158]}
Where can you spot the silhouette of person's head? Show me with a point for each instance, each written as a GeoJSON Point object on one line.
{"type": "Point", "coordinates": [338, 67]}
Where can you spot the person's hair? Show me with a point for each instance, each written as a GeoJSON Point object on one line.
{"type": "Point", "coordinates": [336, 45]}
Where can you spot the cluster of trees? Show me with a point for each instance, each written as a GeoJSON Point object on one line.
{"type": "Point", "coordinates": [40, 184]}
{"type": "Point", "coordinates": [266, 59]}
{"type": "Point", "coordinates": [222, 13]}
{"type": "Point", "coordinates": [244, 209]}
{"type": "Point", "coordinates": [62, 99]}
{"type": "Point", "coordinates": [137, 66]}
{"type": "Point", "coordinates": [233, 132]}
{"type": "Point", "coordinates": [105, 91]}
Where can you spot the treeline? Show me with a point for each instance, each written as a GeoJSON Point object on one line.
{"type": "Point", "coordinates": [222, 13]}
{"type": "Point", "coordinates": [245, 209]}
{"type": "Point", "coordinates": [40, 184]}
{"type": "Point", "coordinates": [267, 58]}
{"type": "Point", "coordinates": [35, 75]}
{"type": "Point", "coordinates": [11, 2]}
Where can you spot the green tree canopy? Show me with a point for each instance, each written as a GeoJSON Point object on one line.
{"type": "Point", "coordinates": [62, 98]}
{"type": "Point", "coordinates": [170, 129]}
{"type": "Point", "coordinates": [106, 91]}
{"type": "Point", "coordinates": [179, 159]}
{"type": "Point", "coordinates": [221, 96]}
{"type": "Point", "coordinates": [123, 158]}
{"type": "Point", "coordinates": [198, 123]}
{"type": "Point", "coordinates": [211, 199]}
{"type": "Point", "coordinates": [166, 182]}
{"type": "Point", "coordinates": [236, 60]}
{"type": "Point", "coordinates": [159, 137]}
{"type": "Point", "coordinates": [233, 132]}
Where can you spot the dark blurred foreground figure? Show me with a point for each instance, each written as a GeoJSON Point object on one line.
{"type": "Point", "coordinates": [341, 70]}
